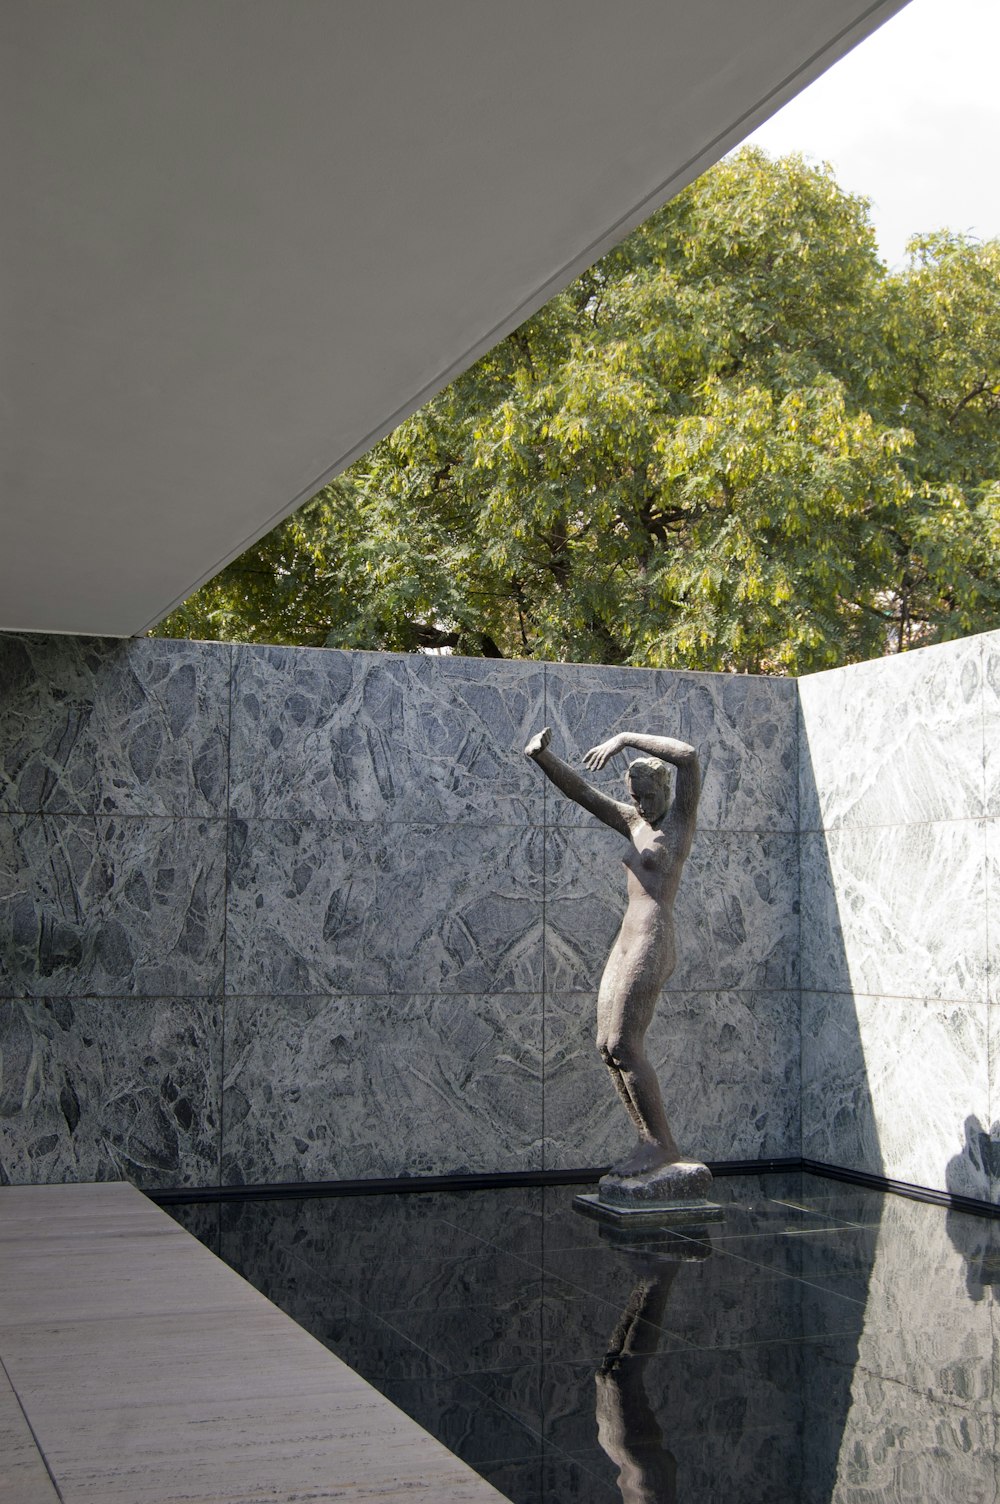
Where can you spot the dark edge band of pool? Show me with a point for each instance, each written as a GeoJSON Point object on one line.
{"type": "Point", "coordinates": [409, 1184]}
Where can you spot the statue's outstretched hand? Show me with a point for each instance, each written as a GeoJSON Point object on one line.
{"type": "Point", "coordinates": [598, 756]}
{"type": "Point", "coordinates": [538, 742]}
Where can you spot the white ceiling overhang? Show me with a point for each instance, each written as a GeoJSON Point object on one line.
{"type": "Point", "coordinates": [244, 238]}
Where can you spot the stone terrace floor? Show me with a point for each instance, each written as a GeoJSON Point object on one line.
{"type": "Point", "coordinates": [138, 1369]}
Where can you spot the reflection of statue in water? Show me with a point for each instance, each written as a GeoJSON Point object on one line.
{"type": "Point", "coordinates": [627, 1427]}
{"type": "Point", "coordinates": [659, 834]}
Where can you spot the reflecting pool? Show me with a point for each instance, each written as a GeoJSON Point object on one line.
{"type": "Point", "coordinates": [824, 1342]}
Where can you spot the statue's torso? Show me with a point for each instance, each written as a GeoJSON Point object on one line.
{"type": "Point", "coordinates": [653, 867]}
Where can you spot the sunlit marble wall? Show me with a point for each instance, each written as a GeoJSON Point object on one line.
{"type": "Point", "coordinates": [900, 868]}
{"type": "Point", "coordinates": [273, 914]}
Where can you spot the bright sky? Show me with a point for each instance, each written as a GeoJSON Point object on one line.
{"type": "Point", "coordinates": [911, 119]}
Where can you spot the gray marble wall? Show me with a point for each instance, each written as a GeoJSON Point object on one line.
{"type": "Point", "coordinates": [900, 872]}
{"type": "Point", "coordinates": [273, 914]}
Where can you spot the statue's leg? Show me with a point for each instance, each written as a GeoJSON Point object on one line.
{"type": "Point", "coordinates": [640, 1081]}
{"type": "Point", "coordinates": [606, 1010]}
{"type": "Point", "coordinates": [627, 1025]}
{"type": "Point", "coordinates": [621, 1088]}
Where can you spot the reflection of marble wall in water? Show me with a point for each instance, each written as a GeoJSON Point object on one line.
{"type": "Point", "coordinates": [900, 873]}
{"type": "Point", "coordinates": [920, 1423]}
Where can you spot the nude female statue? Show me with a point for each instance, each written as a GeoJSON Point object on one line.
{"type": "Point", "coordinates": [659, 834]}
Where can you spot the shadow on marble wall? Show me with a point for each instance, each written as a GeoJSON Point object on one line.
{"type": "Point", "coordinates": [838, 1123]}
{"type": "Point", "coordinates": [838, 1116]}
{"type": "Point", "coordinates": [977, 1239]}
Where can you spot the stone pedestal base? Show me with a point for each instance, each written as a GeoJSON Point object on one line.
{"type": "Point", "coordinates": [677, 1182]}
{"type": "Point", "coordinates": [668, 1196]}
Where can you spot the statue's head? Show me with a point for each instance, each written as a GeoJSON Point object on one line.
{"type": "Point", "coordinates": [648, 782]}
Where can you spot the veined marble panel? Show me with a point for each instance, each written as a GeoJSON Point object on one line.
{"type": "Point", "coordinates": [728, 1065]}
{"type": "Point", "coordinates": [894, 741]}
{"type": "Point", "coordinates": [99, 726]}
{"type": "Point", "coordinates": [337, 906]}
{"type": "Point", "coordinates": [110, 906]}
{"type": "Point", "coordinates": [743, 728]}
{"type": "Point", "coordinates": [991, 720]}
{"type": "Point", "coordinates": [897, 911]}
{"type": "Point", "coordinates": [110, 1089]}
{"type": "Point", "coordinates": [993, 918]}
{"type": "Point", "coordinates": [889, 1085]}
{"type": "Point", "coordinates": [990, 1126]}
{"type": "Point", "coordinates": [321, 1088]}
{"type": "Point", "coordinates": [736, 913]}
{"type": "Point", "coordinates": [319, 733]}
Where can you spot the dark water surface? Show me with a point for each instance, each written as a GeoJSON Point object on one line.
{"type": "Point", "coordinates": [824, 1342]}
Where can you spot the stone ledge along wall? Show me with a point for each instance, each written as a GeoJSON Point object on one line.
{"type": "Point", "coordinates": [274, 914]}
{"type": "Point", "coordinates": [900, 871]}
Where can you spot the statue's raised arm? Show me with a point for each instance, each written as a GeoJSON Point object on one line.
{"type": "Point", "coordinates": [612, 811]}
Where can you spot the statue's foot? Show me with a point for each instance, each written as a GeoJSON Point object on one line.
{"type": "Point", "coordinates": [645, 1157]}
{"type": "Point", "coordinates": [646, 1178]}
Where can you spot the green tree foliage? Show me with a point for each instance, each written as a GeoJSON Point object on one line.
{"type": "Point", "coordinates": [736, 442]}
{"type": "Point", "coordinates": [941, 322]}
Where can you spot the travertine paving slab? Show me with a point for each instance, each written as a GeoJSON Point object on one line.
{"type": "Point", "coordinates": [23, 1479]}
{"type": "Point", "coordinates": [152, 1374]}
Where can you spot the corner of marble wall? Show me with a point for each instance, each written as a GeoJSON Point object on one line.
{"type": "Point", "coordinates": [921, 1114]}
